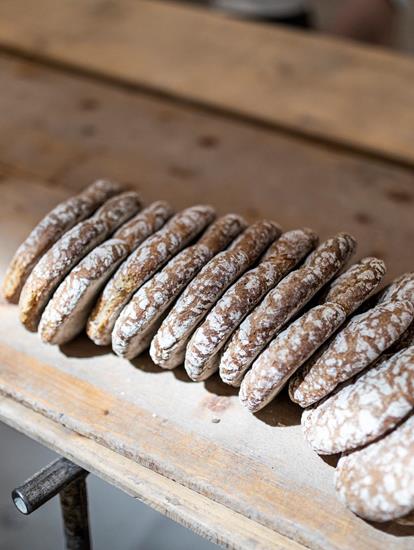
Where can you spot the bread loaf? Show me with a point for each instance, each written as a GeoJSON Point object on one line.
{"type": "Point", "coordinates": [377, 482]}
{"type": "Point", "coordinates": [66, 313]}
{"type": "Point", "coordinates": [365, 409]}
{"type": "Point", "coordinates": [141, 317]}
{"type": "Point", "coordinates": [68, 251]}
{"type": "Point", "coordinates": [141, 265]}
{"type": "Point", "coordinates": [168, 346]}
{"type": "Point", "coordinates": [354, 348]}
{"type": "Point", "coordinates": [281, 304]}
{"type": "Point", "coordinates": [289, 350]}
{"type": "Point", "coordinates": [202, 354]}
{"type": "Point", "coordinates": [62, 218]}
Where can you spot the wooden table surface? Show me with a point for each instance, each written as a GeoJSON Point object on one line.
{"type": "Point", "coordinates": [253, 119]}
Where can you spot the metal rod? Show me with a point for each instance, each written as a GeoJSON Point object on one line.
{"type": "Point", "coordinates": [45, 484]}
{"type": "Point", "coordinates": [74, 503]}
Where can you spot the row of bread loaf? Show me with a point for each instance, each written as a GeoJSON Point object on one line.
{"type": "Point", "coordinates": [261, 307]}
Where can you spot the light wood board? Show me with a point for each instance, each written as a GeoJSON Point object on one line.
{"type": "Point", "coordinates": [307, 83]}
{"type": "Point", "coordinates": [257, 466]}
{"type": "Point", "coordinates": [67, 131]}
{"type": "Point", "coordinates": [204, 516]}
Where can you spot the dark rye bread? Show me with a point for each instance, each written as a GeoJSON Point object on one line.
{"type": "Point", "coordinates": [59, 220]}
{"type": "Point", "coordinates": [66, 313]}
{"type": "Point", "coordinates": [289, 350]}
{"type": "Point", "coordinates": [377, 482]}
{"type": "Point", "coordinates": [300, 340]}
{"type": "Point", "coordinates": [363, 339]}
{"type": "Point", "coordinates": [68, 251]}
{"type": "Point", "coordinates": [281, 304]}
{"type": "Point", "coordinates": [202, 355]}
{"type": "Point", "coordinates": [363, 410]}
{"type": "Point", "coordinates": [168, 346]}
{"type": "Point", "coordinates": [141, 265]}
{"type": "Point", "coordinates": [141, 317]}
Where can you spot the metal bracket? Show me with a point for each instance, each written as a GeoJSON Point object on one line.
{"type": "Point", "coordinates": [68, 479]}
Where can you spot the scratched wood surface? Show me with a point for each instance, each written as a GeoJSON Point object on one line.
{"type": "Point", "coordinates": [313, 85]}
{"type": "Point", "coordinates": [66, 131]}
{"type": "Point", "coordinates": [194, 434]}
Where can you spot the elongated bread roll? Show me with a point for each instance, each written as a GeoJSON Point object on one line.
{"type": "Point", "coordinates": [365, 409]}
{"type": "Point", "coordinates": [300, 340]}
{"type": "Point", "coordinates": [62, 218]}
{"type": "Point", "coordinates": [168, 346]}
{"type": "Point", "coordinates": [202, 354]}
{"type": "Point", "coordinates": [281, 304]}
{"type": "Point", "coordinates": [66, 313]}
{"type": "Point", "coordinates": [289, 350]}
{"type": "Point", "coordinates": [354, 348]}
{"type": "Point", "coordinates": [377, 482]}
{"type": "Point", "coordinates": [68, 251]}
{"type": "Point", "coordinates": [357, 284]}
{"type": "Point", "coordinates": [142, 316]}
{"type": "Point", "coordinates": [141, 265]}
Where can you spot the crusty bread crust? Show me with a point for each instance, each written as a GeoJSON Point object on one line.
{"type": "Point", "coordinates": [281, 304]}
{"type": "Point", "coordinates": [142, 316]}
{"type": "Point", "coordinates": [202, 354]}
{"type": "Point", "coordinates": [141, 265]}
{"type": "Point", "coordinates": [287, 352]}
{"type": "Point", "coordinates": [363, 339]}
{"type": "Point", "coordinates": [377, 482]}
{"type": "Point", "coordinates": [168, 346]}
{"type": "Point", "coordinates": [66, 313]}
{"type": "Point", "coordinates": [62, 218]}
{"type": "Point", "coordinates": [364, 410]}
{"type": "Point", "coordinates": [68, 251]}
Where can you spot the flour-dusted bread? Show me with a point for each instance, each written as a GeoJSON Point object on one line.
{"type": "Point", "coordinates": [144, 224]}
{"type": "Point", "coordinates": [281, 304]}
{"type": "Point", "coordinates": [62, 218]}
{"type": "Point", "coordinates": [168, 346]}
{"type": "Point", "coordinates": [202, 354]}
{"type": "Point", "coordinates": [377, 482]}
{"type": "Point", "coordinates": [402, 288]}
{"type": "Point", "coordinates": [353, 349]}
{"type": "Point", "coordinates": [141, 265]}
{"type": "Point", "coordinates": [66, 313]}
{"type": "Point", "coordinates": [357, 284]}
{"type": "Point", "coordinates": [365, 409]}
{"type": "Point", "coordinates": [300, 340]}
{"type": "Point", "coordinates": [68, 251]}
{"type": "Point", "coordinates": [142, 316]}
{"type": "Point", "coordinates": [290, 349]}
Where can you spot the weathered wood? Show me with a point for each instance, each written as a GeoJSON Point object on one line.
{"type": "Point", "coordinates": [70, 131]}
{"type": "Point", "coordinates": [258, 466]}
{"type": "Point", "coordinates": [204, 516]}
{"type": "Point", "coordinates": [311, 84]}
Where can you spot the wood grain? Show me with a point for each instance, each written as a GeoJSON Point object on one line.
{"type": "Point", "coordinates": [243, 462]}
{"type": "Point", "coordinates": [311, 84]}
{"type": "Point", "coordinates": [67, 131]}
{"type": "Point", "coordinates": [204, 516]}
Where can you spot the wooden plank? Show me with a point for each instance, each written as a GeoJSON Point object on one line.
{"type": "Point", "coordinates": [204, 516]}
{"type": "Point", "coordinates": [242, 479]}
{"type": "Point", "coordinates": [310, 84]}
{"type": "Point", "coordinates": [69, 131]}
{"type": "Point", "coordinates": [244, 462]}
